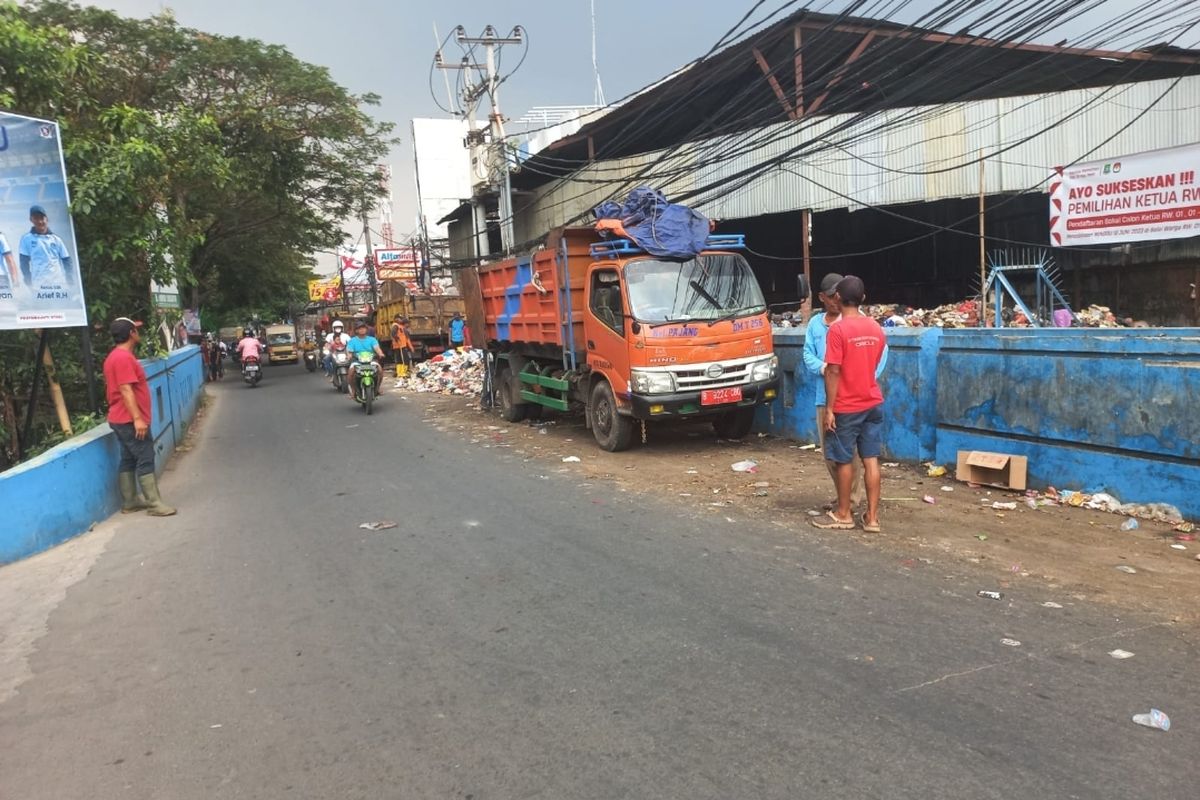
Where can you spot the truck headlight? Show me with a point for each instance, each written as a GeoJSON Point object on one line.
{"type": "Point", "coordinates": [652, 382]}
{"type": "Point", "coordinates": [764, 370]}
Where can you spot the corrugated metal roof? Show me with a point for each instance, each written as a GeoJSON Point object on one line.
{"type": "Point", "coordinates": [898, 156]}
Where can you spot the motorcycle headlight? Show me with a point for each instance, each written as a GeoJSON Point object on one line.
{"type": "Point", "coordinates": [764, 370]}
{"type": "Point", "coordinates": [652, 382]}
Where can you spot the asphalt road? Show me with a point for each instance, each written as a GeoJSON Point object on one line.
{"type": "Point", "coordinates": [521, 635]}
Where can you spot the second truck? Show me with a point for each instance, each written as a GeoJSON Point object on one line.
{"type": "Point", "coordinates": [602, 326]}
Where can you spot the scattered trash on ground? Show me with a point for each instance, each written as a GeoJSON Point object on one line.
{"type": "Point", "coordinates": [1130, 524]}
{"type": "Point", "coordinates": [935, 471]}
{"type": "Point", "coordinates": [929, 499]}
{"type": "Point", "coordinates": [571, 459]}
{"type": "Point", "coordinates": [1178, 547]}
{"type": "Point", "coordinates": [812, 512]}
{"type": "Point", "coordinates": [1004, 506]}
{"type": "Point", "coordinates": [807, 447]}
{"type": "Point", "coordinates": [744, 466]}
{"type": "Point", "coordinates": [990, 595]}
{"type": "Point", "coordinates": [1155, 719]}
{"type": "Point", "coordinates": [947, 488]}
{"type": "Point", "coordinates": [891, 463]}
{"type": "Point", "coordinates": [381, 525]}
{"type": "Point", "coordinates": [1051, 604]}
{"type": "Point", "coordinates": [1128, 570]}
{"type": "Point", "coordinates": [1118, 653]}
{"type": "Point", "coordinates": [452, 372]}
{"type": "Point", "coordinates": [1010, 643]}
{"type": "Point", "coordinates": [981, 537]}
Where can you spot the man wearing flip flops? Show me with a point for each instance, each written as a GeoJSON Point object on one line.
{"type": "Point", "coordinates": [854, 406]}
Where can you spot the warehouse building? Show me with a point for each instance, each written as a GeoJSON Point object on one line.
{"type": "Point", "coordinates": [871, 134]}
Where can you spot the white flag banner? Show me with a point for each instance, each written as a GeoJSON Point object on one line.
{"type": "Point", "coordinates": [1135, 198]}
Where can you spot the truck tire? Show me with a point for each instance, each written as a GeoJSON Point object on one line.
{"type": "Point", "coordinates": [613, 432]}
{"type": "Point", "coordinates": [734, 424]}
{"type": "Point", "coordinates": [510, 410]}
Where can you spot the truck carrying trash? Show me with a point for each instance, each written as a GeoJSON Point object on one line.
{"type": "Point", "coordinates": [609, 328]}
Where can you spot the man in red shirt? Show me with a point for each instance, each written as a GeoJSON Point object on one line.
{"type": "Point", "coordinates": [129, 415]}
{"type": "Point", "coordinates": [854, 405]}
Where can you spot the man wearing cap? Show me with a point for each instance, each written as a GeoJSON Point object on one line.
{"type": "Point", "coordinates": [129, 413]}
{"type": "Point", "coordinates": [815, 337]}
{"type": "Point", "coordinates": [45, 262]}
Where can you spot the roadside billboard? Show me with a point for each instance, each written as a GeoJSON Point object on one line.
{"type": "Point", "coordinates": [40, 285]}
{"type": "Point", "coordinates": [327, 290]}
{"type": "Point", "coordinates": [396, 264]}
{"type": "Point", "coordinates": [1135, 198]}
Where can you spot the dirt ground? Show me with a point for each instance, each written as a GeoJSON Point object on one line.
{"type": "Point", "coordinates": [1072, 550]}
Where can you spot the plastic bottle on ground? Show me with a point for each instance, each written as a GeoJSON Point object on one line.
{"type": "Point", "coordinates": [1155, 719]}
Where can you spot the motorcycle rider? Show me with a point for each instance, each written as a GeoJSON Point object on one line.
{"type": "Point", "coordinates": [249, 347]}
{"type": "Point", "coordinates": [339, 334]}
{"type": "Point", "coordinates": [361, 343]}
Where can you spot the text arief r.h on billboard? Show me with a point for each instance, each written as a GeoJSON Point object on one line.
{"type": "Point", "coordinates": [1135, 198]}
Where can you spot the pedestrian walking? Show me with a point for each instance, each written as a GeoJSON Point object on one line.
{"type": "Point", "coordinates": [129, 415]}
{"type": "Point", "coordinates": [815, 337]}
{"type": "Point", "coordinates": [854, 405]}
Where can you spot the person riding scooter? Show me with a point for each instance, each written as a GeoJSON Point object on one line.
{"type": "Point", "coordinates": [338, 334]}
{"type": "Point", "coordinates": [361, 343]}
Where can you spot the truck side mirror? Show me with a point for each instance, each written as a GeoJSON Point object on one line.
{"type": "Point", "coordinates": [803, 289]}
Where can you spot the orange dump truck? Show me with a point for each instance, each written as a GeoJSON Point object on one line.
{"type": "Point", "coordinates": [602, 326]}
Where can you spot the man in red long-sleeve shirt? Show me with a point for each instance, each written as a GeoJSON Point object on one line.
{"type": "Point", "coordinates": [854, 405]}
{"type": "Point", "coordinates": [129, 415]}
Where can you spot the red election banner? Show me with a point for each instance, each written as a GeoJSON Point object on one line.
{"type": "Point", "coordinates": [1134, 198]}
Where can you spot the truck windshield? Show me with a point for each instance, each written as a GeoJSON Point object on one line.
{"type": "Point", "coordinates": [277, 339]}
{"type": "Point", "coordinates": [707, 287]}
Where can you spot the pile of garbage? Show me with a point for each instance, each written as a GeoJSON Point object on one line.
{"type": "Point", "coordinates": [1102, 501]}
{"type": "Point", "coordinates": [453, 372]}
{"type": "Point", "coordinates": [964, 314]}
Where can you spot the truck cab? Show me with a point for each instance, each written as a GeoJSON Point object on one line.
{"type": "Point", "coordinates": [680, 338]}
{"type": "Point", "coordinates": [281, 344]}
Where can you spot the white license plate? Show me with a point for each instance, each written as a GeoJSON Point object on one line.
{"type": "Point", "coordinates": [252, 368]}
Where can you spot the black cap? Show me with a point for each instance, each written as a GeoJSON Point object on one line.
{"type": "Point", "coordinates": [829, 284]}
{"type": "Point", "coordinates": [121, 328]}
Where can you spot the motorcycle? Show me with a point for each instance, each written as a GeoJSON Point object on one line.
{"type": "Point", "coordinates": [341, 366]}
{"type": "Point", "coordinates": [310, 360]}
{"type": "Point", "coordinates": [367, 370]}
{"type": "Point", "coordinates": [251, 371]}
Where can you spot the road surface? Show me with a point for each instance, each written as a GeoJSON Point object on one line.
{"type": "Point", "coordinates": [523, 635]}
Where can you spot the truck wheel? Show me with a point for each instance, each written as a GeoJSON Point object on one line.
{"type": "Point", "coordinates": [510, 410]}
{"type": "Point", "coordinates": [734, 424]}
{"type": "Point", "coordinates": [613, 432]}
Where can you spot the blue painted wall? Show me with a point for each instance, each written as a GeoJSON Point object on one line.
{"type": "Point", "coordinates": [62, 492]}
{"type": "Point", "coordinates": [1099, 409]}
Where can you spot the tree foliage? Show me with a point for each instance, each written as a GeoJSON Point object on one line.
{"type": "Point", "coordinates": [220, 162]}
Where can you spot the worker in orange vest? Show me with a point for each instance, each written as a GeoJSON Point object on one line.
{"type": "Point", "coordinates": [402, 349]}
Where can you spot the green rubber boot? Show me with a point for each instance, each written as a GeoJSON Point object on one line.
{"type": "Point", "coordinates": [130, 501]}
{"type": "Point", "coordinates": [158, 508]}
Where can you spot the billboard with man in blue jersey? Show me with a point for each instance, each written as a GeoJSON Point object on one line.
{"type": "Point", "coordinates": [40, 285]}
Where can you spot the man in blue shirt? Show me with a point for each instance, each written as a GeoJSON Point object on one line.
{"type": "Point", "coordinates": [814, 362]}
{"type": "Point", "coordinates": [361, 343]}
{"type": "Point", "coordinates": [458, 331]}
{"type": "Point", "coordinates": [45, 262]}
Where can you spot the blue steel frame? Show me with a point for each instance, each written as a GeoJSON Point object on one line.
{"type": "Point", "coordinates": [615, 248]}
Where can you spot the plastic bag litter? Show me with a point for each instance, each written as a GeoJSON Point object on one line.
{"type": "Point", "coordinates": [935, 471]}
{"type": "Point", "coordinates": [571, 459]}
{"type": "Point", "coordinates": [381, 525]}
{"type": "Point", "coordinates": [744, 466]}
{"type": "Point", "coordinates": [1103, 502]}
{"type": "Point", "coordinates": [1159, 512]}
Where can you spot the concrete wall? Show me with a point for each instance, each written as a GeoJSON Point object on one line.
{"type": "Point", "coordinates": [62, 492]}
{"type": "Point", "coordinates": [1099, 410]}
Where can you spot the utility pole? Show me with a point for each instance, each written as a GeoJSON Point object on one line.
{"type": "Point", "coordinates": [489, 154]}
{"type": "Point", "coordinates": [369, 261]}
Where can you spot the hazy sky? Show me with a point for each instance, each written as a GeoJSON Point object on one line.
{"type": "Point", "coordinates": [386, 47]}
